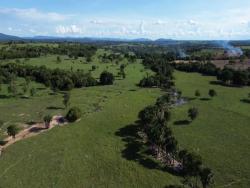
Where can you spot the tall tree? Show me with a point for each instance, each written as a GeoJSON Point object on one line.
{"type": "Point", "coordinates": [47, 119]}
{"type": "Point", "coordinates": [193, 113]}
{"type": "Point", "coordinates": [66, 99]}
{"type": "Point", "coordinates": [206, 177]}
{"type": "Point", "coordinates": [12, 130]}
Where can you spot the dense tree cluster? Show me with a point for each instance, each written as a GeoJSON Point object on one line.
{"type": "Point", "coordinates": [226, 75]}
{"type": "Point", "coordinates": [234, 77]}
{"type": "Point", "coordinates": [56, 79]}
{"type": "Point", "coordinates": [73, 50]}
{"type": "Point", "coordinates": [203, 68]}
{"type": "Point", "coordinates": [163, 70]}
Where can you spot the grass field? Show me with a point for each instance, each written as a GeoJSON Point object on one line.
{"type": "Point", "coordinates": [98, 151]}
{"type": "Point", "coordinates": [221, 134]}
{"type": "Point", "coordinates": [87, 153]}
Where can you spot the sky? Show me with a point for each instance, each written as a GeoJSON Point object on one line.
{"type": "Point", "coordinates": [170, 19]}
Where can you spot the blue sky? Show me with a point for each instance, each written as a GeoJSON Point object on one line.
{"type": "Point", "coordinates": [176, 19]}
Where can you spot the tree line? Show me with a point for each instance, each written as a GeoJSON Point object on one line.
{"type": "Point", "coordinates": [226, 75]}
{"type": "Point", "coordinates": [73, 50]}
{"type": "Point", "coordinates": [154, 123]}
{"type": "Point", "coordinates": [57, 79]}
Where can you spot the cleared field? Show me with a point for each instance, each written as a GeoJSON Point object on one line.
{"type": "Point", "coordinates": [221, 133]}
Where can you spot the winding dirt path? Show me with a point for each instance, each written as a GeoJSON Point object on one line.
{"type": "Point", "coordinates": [32, 131]}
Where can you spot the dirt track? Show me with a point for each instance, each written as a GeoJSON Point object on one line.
{"type": "Point", "coordinates": [32, 131]}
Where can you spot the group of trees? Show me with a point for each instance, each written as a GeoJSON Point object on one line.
{"type": "Point", "coordinates": [211, 93]}
{"type": "Point", "coordinates": [203, 68]}
{"type": "Point", "coordinates": [73, 50]}
{"type": "Point", "coordinates": [56, 79]}
{"type": "Point", "coordinates": [226, 75]}
{"type": "Point", "coordinates": [163, 70]}
{"type": "Point", "coordinates": [235, 77]}
{"type": "Point", "coordinates": [154, 124]}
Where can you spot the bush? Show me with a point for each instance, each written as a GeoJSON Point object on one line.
{"type": "Point", "coordinates": [193, 113]}
{"type": "Point", "coordinates": [106, 78]}
{"type": "Point", "coordinates": [73, 114]}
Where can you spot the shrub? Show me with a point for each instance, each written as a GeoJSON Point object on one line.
{"type": "Point", "coordinates": [106, 78]}
{"type": "Point", "coordinates": [193, 113]}
{"type": "Point", "coordinates": [73, 114]}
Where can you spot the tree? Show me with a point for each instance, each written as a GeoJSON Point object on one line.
{"type": "Point", "coordinates": [212, 93]}
{"type": "Point", "coordinates": [12, 130]}
{"type": "Point", "coordinates": [106, 78]}
{"type": "Point", "coordinates": [32, 92]}
{"type": "Point", "coordinates": [226, 76]}
{"type": "Point", "coordinates": [66, 99]}
{"type": "Point", "coordinates": [193, 113]}
{"type": "Point", "coordinates": [58, 59]}
{"type": "Point", "coordinates": [73, 114]}
{"type": "Point", "coordinates": [47, 119]}
{"type": "Point", "coordinates": [12, 88]}
{"type": "Point", "coordinates": [206, 177]}
{"type": "Point", "coordinates": [197, 93]}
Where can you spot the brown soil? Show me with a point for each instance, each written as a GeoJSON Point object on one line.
{"type": "Point", "coordinates": [32, 131]}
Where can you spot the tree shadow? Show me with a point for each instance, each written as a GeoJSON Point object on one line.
{"type": "Point", "coordinates": [5, 96]}
{"type": "Point", "coordinates": [205, 99]}
{"type": "Point", "coordinates": [220, 83]}
{"type": "Point", "coordinates": [182, 122]}
{"type": "Point", "coordinates": [245, 101]}
{"type": "Point", "coordinates": [3, 142]}
{"type": "Point", "coordinates": [30, 122]}
{"type": "Point", "coordinates": [41, 88]}
{"type": "Point", "coordinates": [190, 98]}
{"type": "Point", "coordinates": [54, 108]}
{"type": "Point", "coordinates": [138, 151]}
{"type": "Point", "coordinates": [36, 129]}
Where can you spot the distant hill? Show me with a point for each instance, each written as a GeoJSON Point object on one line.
{"type": "Point", "coordinates": [4, 37]}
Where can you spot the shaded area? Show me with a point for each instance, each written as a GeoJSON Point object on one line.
{"type": "Point", "coordinates": [182, 122]}
{"type": "Point", "coordinates": [54, 108]}
{"type": "Point", "coordinates": [245, 101]}
{"type": "Point", "coordinates": [5, 96]}
{"type": "Point", "coordinates": [205, 99]}
{"type": "Point", "coordinates": [138, 151]}
{"type": "Point", "coordinates": [36, 129]}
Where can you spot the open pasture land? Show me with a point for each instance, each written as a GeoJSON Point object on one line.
{"type": "Point", "coordinates": [221, 133]}
{"type": "Point", "coordinates": [100, 150]}
{"type": "Point", "coordinates": [91, 152]}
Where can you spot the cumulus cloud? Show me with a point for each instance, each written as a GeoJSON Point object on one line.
{"type": "Point", "coordinates": [72, 29]}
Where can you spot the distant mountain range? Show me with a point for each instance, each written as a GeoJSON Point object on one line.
{"type": "Point", "coordinates": [6, 38]}
{"type": "Point", "coordinates": [161, 41]}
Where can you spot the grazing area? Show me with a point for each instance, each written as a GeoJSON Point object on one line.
{"type": "Point", "coordinates": [220, 134]}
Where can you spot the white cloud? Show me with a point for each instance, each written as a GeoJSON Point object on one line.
{"type": "Point", "coordinates": [34, 14]}
{"type": "Point", "coordinates": [72, 29]}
